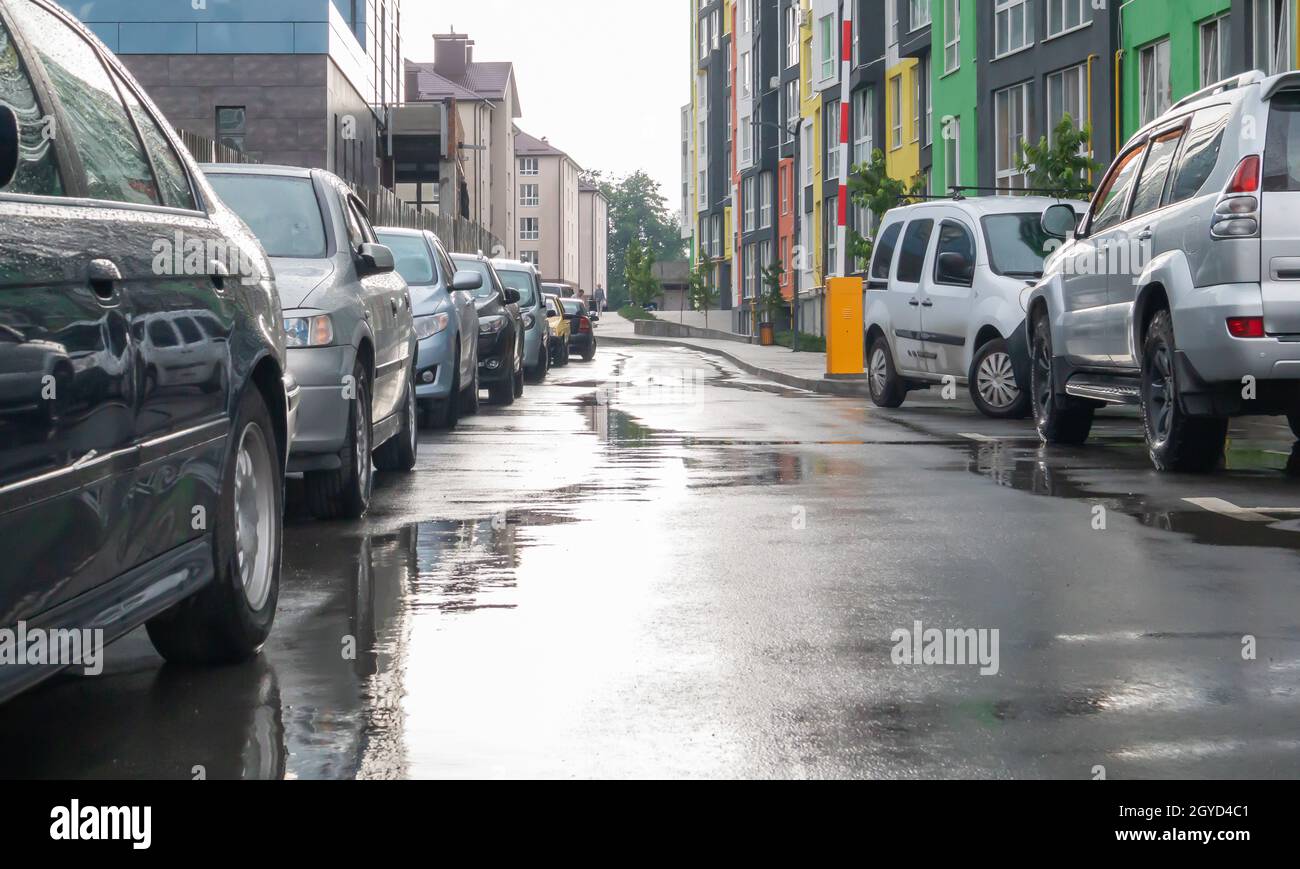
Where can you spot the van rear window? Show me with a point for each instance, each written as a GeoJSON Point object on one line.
{"type": "Point", "coordinates": [1282, 151]}
{"type": "Point", "coordinates": [884, 258]}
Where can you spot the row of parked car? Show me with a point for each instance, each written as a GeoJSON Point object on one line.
{"type": "Point", "coordinates": [1176, 290]}
{"type": "Point", "coordinates": [174, 340]}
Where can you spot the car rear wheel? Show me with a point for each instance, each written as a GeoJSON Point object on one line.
{"type": "Point", "coordinates": [345, 493]}
{"type": "Point", "coordinates": [589, 353]}
{"type": "Point", "coordinates": [1176, 441]}
{"type": "Point", "coordinates": [887, 388]}
{"type": "Point", "coordinates": [1059, 418]}
{"type": "Point", "coordinates": [400, 451]}
{"type": "Point", "coordinates": [993, 385]}
{"type": "Point", "coordinates": [543, 366]}
{"type": "Point", "coordinates": [231, 617]}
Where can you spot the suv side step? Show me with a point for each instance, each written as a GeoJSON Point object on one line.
{"type": "Point", "coordinates": [1111, 390]}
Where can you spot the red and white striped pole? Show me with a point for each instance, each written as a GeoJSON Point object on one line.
{"type": "Point", "coordinates": [846, 101]}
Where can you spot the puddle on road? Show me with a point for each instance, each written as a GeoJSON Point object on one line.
{"type": "Point", "coordinates": [1061, 473]}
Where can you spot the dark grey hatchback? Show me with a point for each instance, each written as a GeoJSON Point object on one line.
{"type": "Point", "coordinates": [144, 413]}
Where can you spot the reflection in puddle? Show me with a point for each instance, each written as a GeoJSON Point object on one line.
{"type": "Point", "coordinates": [1042, 471]}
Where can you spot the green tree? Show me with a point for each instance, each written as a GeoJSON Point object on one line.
{"type": "Point", "coordinates": [1062, 164]}
{"type": "Point", "coordinates": [872, 187]}
{"type": "Point", "coordinates": [638, 270]}
{"type": "Point", "coordinates": [637, 210]}
{"type": "Point", "coordinates": [700, 290]}
{"type": "Point", "coordinates": [772, 303]}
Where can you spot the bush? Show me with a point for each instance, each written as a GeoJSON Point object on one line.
{"type": "Point", "coordinates": [632, 312]}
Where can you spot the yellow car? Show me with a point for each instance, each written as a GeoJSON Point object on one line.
{"type": "Point", "coordinates": [559, 331]}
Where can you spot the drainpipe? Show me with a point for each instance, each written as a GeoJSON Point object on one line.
{"type": "Point", "coordinates": [1092, 152]}
{"type": "Point", "coordinates": [1119, 105]}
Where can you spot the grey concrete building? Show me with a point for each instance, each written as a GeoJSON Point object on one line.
{"type": "Point", "coordinates": [308, 84]}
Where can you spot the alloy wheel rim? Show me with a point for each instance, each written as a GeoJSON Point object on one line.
{"type": "Point", "coordinates": [1160, 398]}
{"type": "Point", "coordinates": [879, 371]}
{"type": "Point", "coordinates": [255, 528]}
{"type": "Point", "coordinates": [996, 381]}
{"type": "Point", "coordinates": [362, 438]}
{"type": "Point", "coordinates": [1043, 375]}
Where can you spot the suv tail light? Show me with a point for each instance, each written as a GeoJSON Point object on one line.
{"type": "Point", "coordinates": [584, 324]}
{"type": "Point", "coordinates": [1246, 327]}
{"type": "Point", "coordinates": [1236, 214]}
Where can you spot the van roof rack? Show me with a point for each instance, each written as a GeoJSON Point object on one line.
{"type": "Point", "coordinates": [1228, 84]}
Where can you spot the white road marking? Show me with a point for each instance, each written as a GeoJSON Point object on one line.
{"type": "Point", "coordinates": [1231, 510]}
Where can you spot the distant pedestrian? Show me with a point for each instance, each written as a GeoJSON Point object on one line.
{"type": "Point", "coordinates": [600, 299]}
{"type": "Point", "coordinates": [582, 296]}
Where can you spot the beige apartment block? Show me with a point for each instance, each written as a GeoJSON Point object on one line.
{"type": "Point", "coordinates": [547, 230]}
{"type": "Point", "coordinates": [593, 239]}
{"type": "Point", "coordinates": [486, 100]}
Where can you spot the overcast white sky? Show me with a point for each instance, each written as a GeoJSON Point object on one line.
{"type": "Point", "coordinates": [604, 80]}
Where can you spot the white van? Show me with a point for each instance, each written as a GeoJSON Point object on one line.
{"type": "Point", "coordinates": [945, 299]}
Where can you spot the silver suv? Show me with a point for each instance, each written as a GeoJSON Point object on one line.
{"type": "Point", "coordinates": [1180, 290]}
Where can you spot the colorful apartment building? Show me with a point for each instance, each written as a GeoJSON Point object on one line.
{"type": "Point", "coordinates": [947, 89]}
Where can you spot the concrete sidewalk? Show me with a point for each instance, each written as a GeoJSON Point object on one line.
{"type": "Point", "coordinates": [778, 364]}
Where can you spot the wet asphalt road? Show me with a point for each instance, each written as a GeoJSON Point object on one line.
{"type": "Point", "coordinates": [656, 566]}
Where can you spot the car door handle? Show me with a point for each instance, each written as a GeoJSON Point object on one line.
{"type": "Point", "coordinates": [915, 303]}
{"type": "Point", "coordinates": [1145, 235]}
{"type": "Point", "coordinates": [217, 273]}
{"type": "Point", "coordinates": [928, 303]}
{"type": "Point", "coordinates": [393, 303]}
{"type": "Point", "coordinates": [104, 277]}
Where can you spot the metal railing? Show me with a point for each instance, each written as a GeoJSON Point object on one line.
{"type": "Point", "coordinates": [384, 206]}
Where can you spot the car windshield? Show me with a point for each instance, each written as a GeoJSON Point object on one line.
{"type": "Point", "coordinates": [521, 281]}
{"type": "Point", "coordinates": [282, 212]}
{"type": "Point", "coordinates": [573, 307]}
{"type": "Point", "coordinates": [1017, 244]}
{"type": "Point", "coordinates": [414, 262]}
{"type": "Point", "coordinates": [466, 264]}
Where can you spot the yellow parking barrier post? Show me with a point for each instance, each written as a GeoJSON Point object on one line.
{"type": "Point", "coordinates": [845, 344]}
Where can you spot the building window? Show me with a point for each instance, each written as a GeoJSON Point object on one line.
{"type": "Point", "coordinates": [827, 26]}
{"type": "Point", "coordinates": [704, 189]}
{"type": "Point", "coordinates": [529, 229]}
{"type": "Point", "coordinates": [530, 195]}
{"type": "Point", "coordinates": [896, 112]}
{"type": "Point", "coordinates": [791, 36]}
{"type": "Point", "coordinates": [751, 271]}
{"type": "Point", "coordinates": [1067, 95]}
{"type": "Point", "coordinates": [232, 126]}
{"type": "Point", "coordinates": [831, 126]}
{"type": "Point", "coordinates": [864, 114]}
{"type": "Point", "coordinates": [919, 13]}
{"type": "Point", "coordinates": [746, 73]}
{"type": "Point", "coordinates": [765, 201]}
{"type": "Point", "coordinates": [715, 23]}
{"type": "Point", "coordinates": [1066, 15]}
{"type": "Point", "coordinates": [928, 125]}
{"type": "Point", "coordinates": [704, 38]}
{"type": "Point", "coordinates": [951, 35]}
{"type": "Point", "coordinates": [787, 189]}
{"type": "Point", "coordinates": [806, 153]}
{"type": "Point", "coordinates": [1154, 91]}
{"type": "Point", "coordinates": [746, 142]}
{"type": "Point", "coordinates": [952, 151]}
{"type": "Point", "coordinates": [1214, 50]}
{"type": "Point", "coordinates": [528, 166]}
{"type": "Point", "coordinates": [1011, 116]}
{"type": "Point", "coordinates": [855, 39]}
{"type": "Point", "coordinates": [791, 109]}
{"type": "Point", "coordinates": [1013, 26]}
{"type": "Point", "coordinates": [917, 97]}
{"type": "Point", "coordinates": [531, 257]}
{"type": "Point", "coordinates": [832, 225]}
{"type": "Point", "coordinates": [1274, 51]}
{"type": "Point", "coordinates": [750, 202]}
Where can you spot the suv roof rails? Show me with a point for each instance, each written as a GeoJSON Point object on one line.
{"type": "Point", "coordinates": [1228, 84]}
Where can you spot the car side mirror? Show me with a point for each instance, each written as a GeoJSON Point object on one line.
{"type": "Point", "coordinates": [8, 145]}
{"type": "Point", "coordinates": [375, 259]}
{"type": "Point", "coordinates": [466, 281]}
{"type": "Point", "coordinates": [511, 296]}
{"type": "Point", "coordinates": [1060, 221]}
{"type": "Point", "coordinates": [954, 268]}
